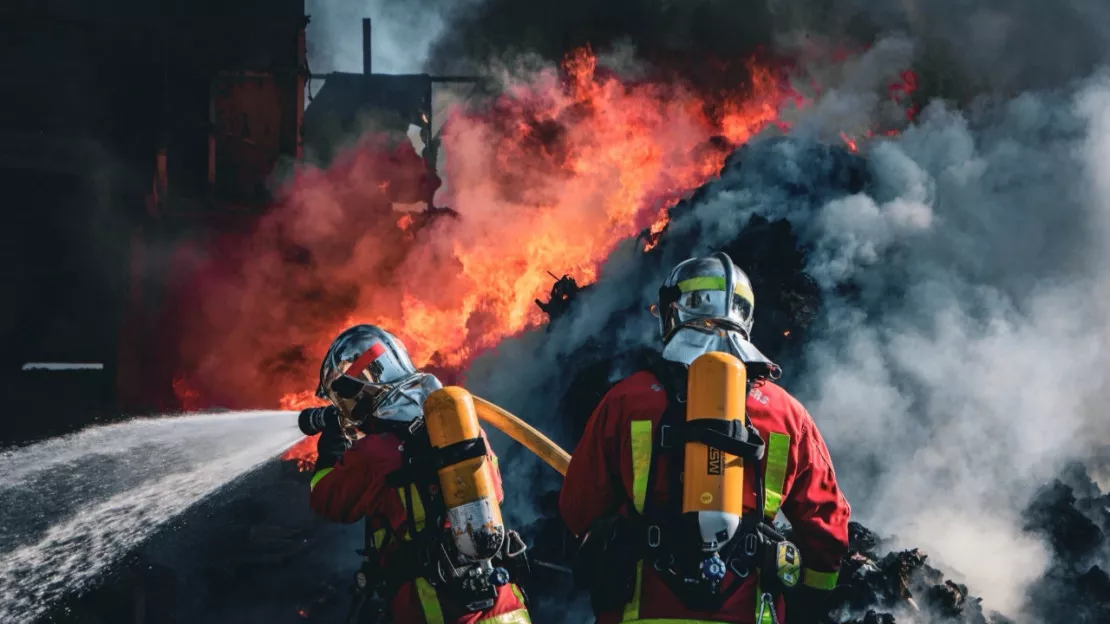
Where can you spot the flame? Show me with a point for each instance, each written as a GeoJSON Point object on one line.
{"type": "Point", "coordinates": [187, 394]}
{"type": "Point", "coordinates": [551, 176]}
{"type": "Point", "coordinates": [297, 401]}
{"type": "Point", "coordinates": [303, 452]}
{"type": "Point", "coordinates": [405, 222]}
{"type": "Point", "coordinates": [849, 141]}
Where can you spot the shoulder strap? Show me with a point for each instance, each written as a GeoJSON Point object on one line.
{"type": "Point", "coordinates": [672, 377]}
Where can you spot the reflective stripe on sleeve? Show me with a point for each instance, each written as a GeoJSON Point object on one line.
{"type": "Point", "coordinates": [778, 452]}
{"type": "Point", "coordinates": [641, 461]}
{"type": "Point", "coordinates": [819, 580]}
{"type": "Point", "coordinates": [320, 474]}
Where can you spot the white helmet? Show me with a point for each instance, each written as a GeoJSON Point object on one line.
{"type": "Point", "coordinates": [707, 304]}
{"type": "Point", "coordinates": [367, 372]}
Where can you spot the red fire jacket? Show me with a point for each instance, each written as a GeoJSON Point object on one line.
{"type": "Point", "coordinates": [796, 466]}
{"type": "Point", "coordinates": [355, 488]}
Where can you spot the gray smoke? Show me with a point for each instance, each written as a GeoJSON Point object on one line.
{"type": "Point", "coordinates": [970, 46]}
{"type": "Point", "coordinates": [958, 361]}
{"type": "Point", "coordinates": [402, 35]}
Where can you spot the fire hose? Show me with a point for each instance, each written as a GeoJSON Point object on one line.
{"type": "Point", "coordinates": [525, 434]}
{"type": "Point", "coordinates": [313, 420]}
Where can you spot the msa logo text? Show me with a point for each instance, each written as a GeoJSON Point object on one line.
{"type": "Point", "coordinates": [716, 462]}
{"type": "Point", "coordinates": [759, 396]}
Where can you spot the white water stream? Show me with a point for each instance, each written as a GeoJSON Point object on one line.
{"type": "Point", "coordinates": [72, 506]}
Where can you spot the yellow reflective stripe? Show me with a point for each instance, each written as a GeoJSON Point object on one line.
{"type": "Point", "coordinates": [778, 451]}
{"type": "Point", "coordinates": [520, 616]}
{"type": "Point", "coordinates": [320, 474]}
{"type": "Point", "coordinates": [632, 609]}
{"type": "Point", "coordinates": [641, 461]}
{"type": "Point", "coordinates": [379, 537]}
{"type": "Point", "coordinates": [429, 602]}
{"type": "Point", "coordinates": [819, 580]}
{"type": "Point", "coordinates": [715, 283]}
{"type": "Point", "coordinates": [519, 595]}
{"type": "Point", "coordinates": [417, 510]}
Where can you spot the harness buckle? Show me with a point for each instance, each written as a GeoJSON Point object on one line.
{"type": "Point", "coordinates": [664, 434]}
{"type": "Point", "coordinates": [751, 544]}
{"type": "Point", "coordinates": [654, 536]}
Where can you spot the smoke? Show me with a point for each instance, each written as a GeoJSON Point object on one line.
{"type": "Point", "coordinates": [968, 47]}
{"type": "Point", "coordinates": [402, 36]}
{"type": "Point", "coordinates": [957, 359]}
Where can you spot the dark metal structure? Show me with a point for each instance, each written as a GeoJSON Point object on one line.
{"type": "Point", "coordinates": [133, 136]}
{"type": "Point", "coordinates": [131, 130]}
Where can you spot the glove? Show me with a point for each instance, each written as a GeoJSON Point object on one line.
{"type": "Point", "coordinates": [333, 441]}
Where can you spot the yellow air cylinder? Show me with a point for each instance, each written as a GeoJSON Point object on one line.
{"type": "Point", "coordinates": [469, 493]}
{"type": "Point", "coordinates": [713, 481]}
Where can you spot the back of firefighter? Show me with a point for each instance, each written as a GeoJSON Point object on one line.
{"type": "Point", "coordinates": [611, 472]}
{"type": "Point", "coordinates": [356, 472]}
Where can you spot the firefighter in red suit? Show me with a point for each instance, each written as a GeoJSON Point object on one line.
{"type": "Point", "coordinates": [374, 464]}
{"type": "Point", "coordinates": [622, 484]}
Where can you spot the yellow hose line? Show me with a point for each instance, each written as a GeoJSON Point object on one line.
{"type": "Point", "coordinates": [524, 433]}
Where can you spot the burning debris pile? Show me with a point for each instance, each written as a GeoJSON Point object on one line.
{"type": "Point", "coordinates": [899, 582]}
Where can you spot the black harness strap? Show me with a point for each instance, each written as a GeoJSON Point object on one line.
{"type": "Point", "coordinates": [730, 436]}
{"type": "Point", "coordinates": [459, 452]}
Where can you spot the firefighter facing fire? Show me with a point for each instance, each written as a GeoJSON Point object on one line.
{"type": "Point", "coordinates": [683, 467]}
{"type": "Point", "coordinates": [408, 456]}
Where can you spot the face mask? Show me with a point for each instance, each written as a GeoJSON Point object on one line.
{"type": "Point", "coordinates": [405, 401]}
{"type": "Point", "coordinates": [688, 343]}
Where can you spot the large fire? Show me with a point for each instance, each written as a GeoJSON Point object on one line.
{"type": "Point", "coordinates": [551, 177]}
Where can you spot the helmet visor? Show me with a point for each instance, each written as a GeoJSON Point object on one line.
{"type": "Point", "coordinates": [711, 304]}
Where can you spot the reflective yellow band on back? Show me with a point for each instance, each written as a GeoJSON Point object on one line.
{"type": "Point", "coordinates": [379, 538]}
{"type": "Point", "coordinates": [641, 461]}
{"type": "Point", "coordinates": [429, 602]}
{"type": "Point", "coordinates": [320, 474]}
{"type": "Point", "coordinates": [520, 616]}
{"type": "Point", "coordinates": [417, 510]}
{"type": "Point", "coordinates": [632, 609]}
{"type": "Point", "coordinates": [715, 283]}
{"type": "Point", "coordinates": [778, 452]}
{"type": "Point", "coordinates": [519, 595]}
{"type": "Point", "coordinates": [819, 580]}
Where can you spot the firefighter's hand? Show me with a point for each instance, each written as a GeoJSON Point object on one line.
{"type": "Point", "coordinates": [332, 444]}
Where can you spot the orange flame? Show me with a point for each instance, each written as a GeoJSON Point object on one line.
{"type": "Point", "coordinates": [849, 141]}
{"type": "Point", "coordinates": [297, 401]}
{"type": "Point", "coordinates": [303, 453]}
{"type": "Point", "coordinates": [552, 176]}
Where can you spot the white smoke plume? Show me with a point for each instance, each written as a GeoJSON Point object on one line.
{"type": "Point", "coordinates": [960, 356]}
